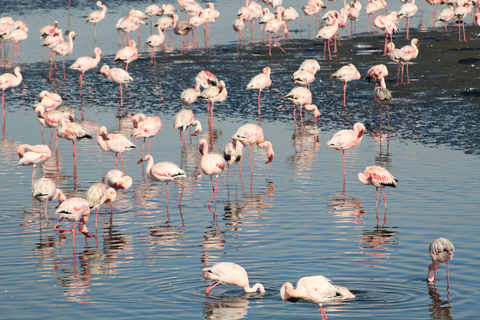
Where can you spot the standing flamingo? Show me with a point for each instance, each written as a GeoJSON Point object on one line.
{"type": "Point", "coordinates": [230, 273]}
{"type": "Point", "coordinates": [396, 55]}
{"type": "Point", "coordinates": [64, 49]}
{"type": "Point", "coordinates": [232, 153]}
{"type": "Point", "coordinates": [49, 100]}
{"type": "Point", "coordinates": [311, 65]}
{"type": "Point", "coordinates": [299, 96]}
{"type": "Point", "coordinates": [388, 26]}
{"type": "Point", "coordinates": [16, 36]}
{"type": "Point", "coordinates": [376, 72]}
{"type": "Point", "coordinates": [212, 164]}
{"type": "Point", "coordinates": [383, 96]}
{"type": "Point", "coordinates": [164, 172]}
{"type": "Point", "coordinates": [260, 82]}
{"type": "Point", "coordinates": [303, 78]}
{"type": "Point", "coordinates": [98, 194]}
{"type": "Point", "coordinates": [114, 142]}
{"type": "Point", "coordinates": [378, 177]}
{"type": "Point", "coordinates": [440, 250]}
{"type": "Point", "coordinates": [45, 189]}
{"type": "Point", "coordinates": [345, 74]}
{"type": "Point", "coordinates": [184, 119]}
{"type": "Point", "coordinates": [273, 27]}
{"type": "Point", "coordinates": [117, 180]}
{"type": "Point", "coordinates": [34, 155]}
{"type": "Point", "coordinates": [326, 33]}
{"type": "Point", "coordinates": [83, 64]}
{"type": "Point", "coordinates": [182, 28]}
{"type": "Point", "coordinates": [8, 80]}
{"type": "Point", "coordinates": [145, 127]}
{"type": "Point", "coordinates": [239, 27]}
{"type": "Point", "coordinates": [154, 41]}
{"type": "Point", "coordinates": [249, 135]}
{"type": "Point", "coordinates": [409, 52]}
{"type": "Point", "coordinates": [315, 289]}
{"type": "Point", "coordinates": [127, 54]}
{"type": "Point", "coordinates": [96, 16]}
{"type": "Point", "coordinates": [214, 94]}
{"type": "Point", "coordinates": [72, 131]}
{"type": "Point", "coordinates": [346, 139]}
{"type": "Point", "coordinates": [206, 79]}
{"type": "Point", "coordinates": [76, 209]}
{"type": "Point", "coordinates": [190, 95]}
{"type": "Point", "coordinates": [117, 75]}
{"type": "Point", "coordinates": [407, 11]}
{"type": "Point", "coordinates": [51, 119]}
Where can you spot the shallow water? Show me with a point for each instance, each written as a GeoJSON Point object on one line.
{"type": "Point", "coordinates": [294, 217]}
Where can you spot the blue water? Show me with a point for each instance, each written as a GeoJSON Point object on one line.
{"type": "Point", "coordinates": [294, 217]}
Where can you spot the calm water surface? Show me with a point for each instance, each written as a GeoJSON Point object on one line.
{"type": "Point", "coordinates": [294, 217]}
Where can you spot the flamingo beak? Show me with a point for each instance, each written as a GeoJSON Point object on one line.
{"type": "Point", "coordinates": [195, 133]}
{"type": "Point", "coordinates": [292, 300]}
{"type": "Point", "coordinates": [140, 161]}
{"type": "Point", "coordinates": [88, 235]}
{"type": "Point", "coordinates": [135, 123]}
{"type": "Point", "coordinates": [201, 149]}
{"type": "Point", "coordinates": [104, 136]}
{"type": "Point", "coordinates": [270, 158]}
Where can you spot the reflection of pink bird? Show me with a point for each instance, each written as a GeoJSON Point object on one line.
{"type": "Point", "coordinates": [212, 164]}
{"type": "Point", "coordinates": [315, 289]}
{"type": "Point", "coordinates": [249, 135]}
{"type": "Point", "coordinates": [96, 16]}
{"type": "Point", "coordinates": [83, 64]}
{"type": "Point", "coordinates": [345, 74]}
{"type": "Point", "coordinates": [45, 189]}
{"type": "Point", "coordinates": [127, 54]}
{"type": "Point", "coordinates": [164, 172]}
{"type": "Point", "coordinates": [184, 119]}
{"type": "Point", "coordinates": [441, 250]}
{"type": "Point", "coordinates": [114, 142]}
{"type": "Point", "coordinates": [148, 127]}
{"type": "Point", "coordinates": [74, 209]}
{"type": "Point", "coordinates": [230, 273]}
{"type": "Point", "coordinates": [98, 194]}
{"type": "Point", "coordinates": [34, 155]}
{"type": "Point", "coordinates": [260, 82]}
{"type": "Point", "coordinates": [117, 180]}
{"type": "Point", "coordinates": [8, 80]}
{"type": "Point", "coordinates": [379, 178]}
{"type": "Point", "coordinates": [346, 139]}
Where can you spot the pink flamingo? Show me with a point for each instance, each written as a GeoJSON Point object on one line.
{"type": "Point", "coordinates": [51, 119]}
{"type": "Point", "coordinates": [45, 189]}
{"type": "Point", "coordinates": [206, 79]}
{"type": "Point", "coordinates": [212, 164]}
{"type": "Point", "coordinates": [8, 80]}
{"type": "Point", "coordinates": [260, 82]}
{"type": "Point", "coordinates": [117, 75]}
{"type": "Point", "coordinates": [72, 131]}
{"type": "Point", "coordinates": [378, 177]}
{"type": "Point", "coordinates": [407, 11]}
{"type": "Point", "coordinates": [76, 209]}
{"type": "Point", "coordinates": [190, 95]}
{"type": "Point", "coordinates": [376, 72]}
{"type": "Point", "coordinates": [166, 22]}
{"type": "Point", "coordinates": [182, 29]}
{"type": "Point", "coordinates": [145, 127]}
{"type": "Point", "coordinates": [154, 41]}
{"type": "Point", "coordinates": [64, 49]}
{"type": "Point", "coordinates": [184, 119]}
{"type": "Point", "coordinates": [117, 180]}
{"type": "Point", "coordinates": [315, 289]}
{"type": "Point", "coordinates": [33, 155]}
{"type": "Point", "coordinates": [396, 55]}
{"type": "Point", "coordinates": [239, 27]}
{"type": "Point", "coordinates": [309, 10]}
{"type": "Point", "coordinates": [303, 77]}
{"type": "Point", "coordinates": [49, 100]}
{"type": "Point", "coordinates": [114, 142]}
{"type": "Point", "coordinates": [388, 26]}
{"type": "Point", "coordinates": [301, 96]}
{"type": "Point", "coordinates": [164, 172]}
{"type": "Point", "coordinates": [311, 65]}
{"type": "Point", "coordinates": [83, 64]}
{"type": "Point", "coordinates": [289, 14]}
{"type": "Point", "coordinates": [326, 33]}
{"type": "Point", "coordinates": [345, 74]}
{"type": "Point", "coordinates": [152, 10]}
{"type": "Point", "coordinates": [440, 250]}
{"type": "Point", "coordinates": [249, 135]}
{"type": "Point", "coordinates": [98, 194]}
{"type": "Point", "coordinates": [48, 30]}
{"type": "Point", "coordinates": [346, 139]}
{"type": "Point", "coordinates": [127, 54]}
{"type": "Point", "coordinates": [232, 153]}
{"type": "Point", "coordinates": [230, 273]}
{"type": "Point", "coordinates": [445, 16]}
{"type": "Point", "coordinates": [410, 52]}
{"type": "Point", "coordinates": [16, 36]}
{"type": "Point", "coordinates": [273, 27]}
{"type": "Point", "coordinates": [96, 16]}
{"type": "Point", "coordinates": [214, 94]}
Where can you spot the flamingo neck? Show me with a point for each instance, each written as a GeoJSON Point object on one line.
{"type": "Point", "coordinates": [257, 286]}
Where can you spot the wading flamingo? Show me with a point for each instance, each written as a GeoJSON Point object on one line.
{"type": "Point", "coordinates": [345, 74]}
{"type": "Point", "coordinates": [145, 127]}
{"type": "Point", "coordinates": [114, 142]}
{"type": "Point", "coordinates": [45, 189]}
{"type": "Point", "coordinates": [33, 155]}
{"type": "Point", "coordinates": [127, 54]}
{"type": "Point", "coordinates": [96, 16]}
{"type": "Point", "coordinates": [212, 164]}
{"type": "Point", "coordinates": [117, 180]}
{"type": "Point", "coordinates": [76, 209]}
{"type": "Point", "coordinates": [98, 194]}
{"type": "Point", "coordinates": [440, 250]}
{"type": "Point", "coordinates": [378, 177]}
{"type": "Point", "coordinates": [117, 75]}
{"type": "Point", "coordinates": [346, 139]}
{"type": "Point", "coordinates": [8, 80]}
{"type": "Point", "coordinates": [184, 119]}
{"type": "Point", "coordinates": [83, 64]}
{"type": "Point", "coordinates": [230, 273]}
{"type": "Point", "coordinates": [260, 82]}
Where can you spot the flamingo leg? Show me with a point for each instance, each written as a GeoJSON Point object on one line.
{"type": "Point", "coordinates": [168, 193]}
{"type": "Point", "coordinates": [216, 190]}
{"type": "Point", "coordinates": [251, 164]}
{"type": "Point", "coordinates": [46, 213]}
{"type": "Point", "coordinates": [116, 160]}
{"type": "Point", "coordinates": [123, 163]}
{"type": "Point", "coordinates": [207, 290]}
{"type": "Point", "coordinates": [181, 195]}
{"type": "Point", "coordinates": [96, 216]}
{"type": "Point", "coordinates": [384, 198]}
{"type": "Point", "coordinates": [376, 203]}
{"type": "Point", "coordinates": [345, 94]}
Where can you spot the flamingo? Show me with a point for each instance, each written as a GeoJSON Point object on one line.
{"type": "Point", "coordinates": [184, 119]}
{"type": "Point", "coordinates": [239, 27]}
{"type": "Point", "coordinates": [309, 10]}
{"type": "Point", "coordinates": [273, 27]}
{"type": "Point", "coordinates": [51, 119]}
{"type": "Point", "coordinates": [117, 180]}
{"type": "Point", "coordinates": [303, 77]}
{"type": "Point", "coordinates": [396, 55]}
{"type": "Point", "coordinates": [214, 94]}
{"type": "Point", "coordinates": [45, 189]}
{"type": "Point", "coordinates": [378, 177]}
{"type": "Point", "coordinates": [16, 36]}
{"type": "Point", "coordinates": [117, 75]}
{"type": "Point", "coordinates": [33, 155]}
{"type": "Point", "coordinates": [410, 52]}
{"type": "Point", "coordinates": [127, 54]}
{"type": "Point", "coordinates": [346, 139]}
{"type": "Point", "coordinates": [232, 153]}
{"type": "Point", "coordinates": [154, 41]}
{"type": "Point", "coordinates": [98, 194]}
{"type": "Point", "coordinates": [164, 172]}
{"type": "Point", "coordinates": [230, 273]}
{"type": "Point", "coordinates": [376, 72]}
{"type": "Point", "coordinates": [8, 80]}
{"type": "Point", "coordinates": [407, 11]}
{"type": "Point", "coordinates": [299, 96]}
{"type": "Point", "coordinates": [114, 142]}
{"type": "Point", "coordinates": [266, 18]}
{"type": "Point", "coordinates": [48, 30]}
{"type": "Point", "coordinates": [190, 95]}
{"type": "Point", "coordinates": [72, 131]}
{"type": "Point", "coordinates": [49, 100]}
{"type": "Point", "coordinates": [166, 22]}
{"type": "Point", "coordinates": [83, 64]}
{"type": "Point", "coordinates": [96, 16]}
{"type": "Point", "coordinates": [315, 289]}
{"type": "Point", "coordinates": [383, 96]}
{"type": "Point", "coordinates": [212, 164]}
{"type": "Point", "coordinates": [260, 82]}
{"type": "Point", "coordinates": [289, 14]}
{"type": "Point", "coordinates": [440, 250]}
{"type": "Point", "coordinates": [249, 135]}
{"type": "Point", "coordinates": [445, 16]}
{"type": "Point", "coordinates": [326, 33]}
{"type": "Point", "coordinates": [388, 26]}
{"type": "Point", "coordinates": [145, 127]}
{"type": "Point", "coordinates": [345, 74]}
{"type": "Point", "coordinates": [76, 209]}
{"type": "Point", "coordinates": [182, 28]}
{"type": "Point", "coordinates": [311, 65]}
{"type": "Point", "coordinates": [64, 49]}
{"type": "Point", "coordinates": [206, 79]}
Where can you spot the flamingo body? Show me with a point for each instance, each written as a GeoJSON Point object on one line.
{"type": "Point", "coordinates": [230, 273]}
